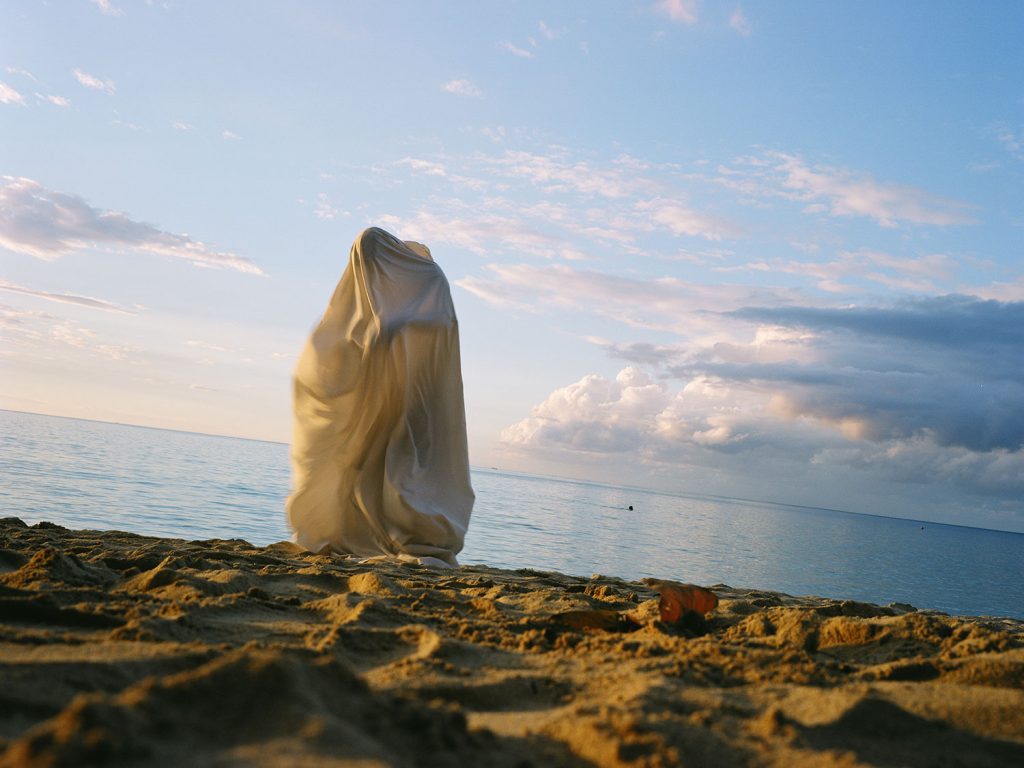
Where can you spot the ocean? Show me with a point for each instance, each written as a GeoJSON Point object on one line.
{"type": "Point", "coordinates": [87, 474]}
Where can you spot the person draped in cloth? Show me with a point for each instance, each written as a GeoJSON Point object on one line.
{"type": "Point", "coordinates": [379, 458]}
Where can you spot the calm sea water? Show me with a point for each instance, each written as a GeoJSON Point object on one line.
{"type": "Point", "coordinates": [84, 474]}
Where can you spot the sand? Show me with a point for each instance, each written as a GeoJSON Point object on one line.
{"type": "Point", "coordinates": [119, 649]}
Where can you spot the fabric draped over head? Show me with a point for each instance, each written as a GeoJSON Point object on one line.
{"type": "Point", "coordinates": [379, 458]}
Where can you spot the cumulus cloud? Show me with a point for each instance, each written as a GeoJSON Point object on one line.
{"type": "Point", "coordinates": [94, 83]}
{"type": "Point", "coordinates": [66, 298]}
{"type": "Point", "coordinates": [945, 369]}
{"type": "Point", "coordinates": [927, 389]}
{"type": "Point", "coordinates": [462, 88]}
{"type": "Point", "coordinates": [46, 224]}
{"type": "Point", "coordinates": [9, 95]}
{"type": "Point", "coordinates": [683, 11]}
{"type": "Point", "coordinates": [635, 414]}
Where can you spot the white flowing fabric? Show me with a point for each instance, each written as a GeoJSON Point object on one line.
{"type": "Point", "coordinates": [379, 458]}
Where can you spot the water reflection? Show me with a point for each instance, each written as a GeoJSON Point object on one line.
{"type": "Point", "coordinates": [93, 475]}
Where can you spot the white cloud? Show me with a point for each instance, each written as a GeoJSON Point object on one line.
{"type": "Point", "coordinates": [739, 22]}
{"type": "Point", "coordinates": [95, 83]}
{"type": "Point", "coordinates": [182, 126]}
{"type": "Point", "coordinates": [636, 415]}
{"type": "Point", "coordinates": [557, 171]}
{"type": "Point", "coordinates": [681, 220]}
{"type": "Point", "coordinates": [66, 298]}
{"type": "Point", "coordinates": [462, 88]}
{"type": "Point", "coordinates": [426, 167]}
{"type": "Point", "coordinates": [927, 390]}
{"type": "Point", "coordinates": [515, 50]}
{"type": "Point", "coordinates": [85, 339]}
{"type": "Point", "coordinates": [665, 303]}
{"type": "Point", "coordinates": [325, 211]}
{"type": "Point", "coordinates": [1012, 141]}
{"type": "Point", "coordinates": [230, 135]}
{"type": "Point", "coordinates": [841, 192]}
{"type": "Point", "coordinates": [482, 234]}
{"type": "Point", "coordinates": [106, 8]}
{"type": "Point", "coordinates": [23, 73]}
{"type": "Point", "coordinates": [40, 222]}
{"type": "Point", "coordinates": [547, 31]}
{"type": "Point", "coordinates": [9, 95]}
{"type": "Point", "coordinates": [684, 11]}
{"type": "Point", "coordinates": [850, 194]}
{"type": "Point", "coordinates": [923, 274]}
{"type": "Point", "coordinates": [57, 101]}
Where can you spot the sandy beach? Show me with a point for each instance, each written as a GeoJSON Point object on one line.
{"type": "Point", "coordinates": [119, 649]}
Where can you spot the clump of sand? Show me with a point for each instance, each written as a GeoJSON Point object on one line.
{"type": "Point", "coordinates": [119, 649]}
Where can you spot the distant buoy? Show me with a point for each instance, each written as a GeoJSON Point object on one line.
{"type": "Point", "coordinates": [630, 507]}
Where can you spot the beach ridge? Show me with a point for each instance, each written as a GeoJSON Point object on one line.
{"type": "Point", "coordinates": [127, 649]}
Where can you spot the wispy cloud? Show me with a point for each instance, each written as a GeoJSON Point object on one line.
{"type": "Point", "coordinates": [57, 101]}
{"type": "Point", "coordinates": [1012, 141]}
{"type": "Point", "coordinates": [841, 192]}
{"type": "Point", "coordinates": [462, 88]}
{"type": "Point", "coordinates": [547, 31]}
{"type": "Point", "coordinates": [515, 50]}
{"type": "Point", "coordinates": [663, 303]}
{"type": "Point", "coordinates": [9, 95]}
{"type": "Point", "coordinates": [95, 83]}
{"type": "Point", "coordinates": [426, 167]}
{"type": "Point", "coordinates": [67, 298]}
{"type": "Point", "coordinates": [46, 224]}
{"type": "Point", "coordinates": [739, 22]}
{"type": "Point", "coordinates": [683, 11]}
{"type": "Point", "coordinates": [922, 274]}
{"type": "Point", "coordinates": [681, 220]}
{"type": "Point", "coordinates": [230, 135]}
{"type": "Point", "coordinates": [182, 126]}
{"type": "Point", "coordinates": [481, 234]}
{"type": "Point", "coordinates": [323, 209]}
{"type": "Point", "coordinates": [557, 171]}
{"type": "Point", "coordinates": [87, 340]}
{"type": "Point", "coordinates": [107, 8]}
{"type": "Point", "coordinates": [23, 73]}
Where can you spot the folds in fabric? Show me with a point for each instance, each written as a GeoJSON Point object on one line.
{"type": "Point", "coordinates": [379, 458]}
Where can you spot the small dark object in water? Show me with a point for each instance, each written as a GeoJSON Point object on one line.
{"type": "Point", "coordinates": [630, 507]}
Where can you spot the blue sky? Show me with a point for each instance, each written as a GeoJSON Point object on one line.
{"type": "Point", "coordinates": [768, 250]}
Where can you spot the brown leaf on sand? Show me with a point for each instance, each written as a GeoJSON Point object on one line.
{"type": "Point", "coordinates": [679, 599]}
{"type": "Point", "coordinates": [609, 621]}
